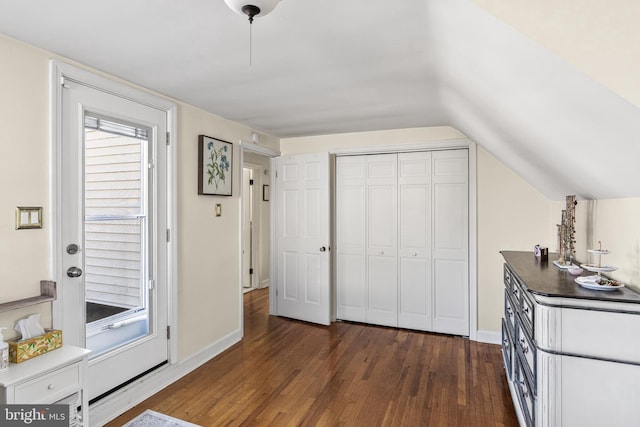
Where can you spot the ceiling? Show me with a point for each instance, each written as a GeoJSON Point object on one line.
{"type": "Point", "coordinates": [318, 66]}
{"type": "Point", "coordinates": [334, 66]}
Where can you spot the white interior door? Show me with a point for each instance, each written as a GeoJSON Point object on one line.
{"type": "Point", "coordinates": [451, 242]}
{"type": "Point", "coordinates": [302, 237]}
{"type": "Point", "coordinates": [382, 241]}
{"type": "Point", "coordinates": [350, 247]}
{"type": "Point", "coordinates": [414, 240]}
{"type": "Point", "coordinates": [112, 213]}
{"type": "Point", "coordinates": [247, 228]}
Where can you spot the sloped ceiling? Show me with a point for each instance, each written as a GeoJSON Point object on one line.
{"type": "Point", "coordinates": [334, 66]}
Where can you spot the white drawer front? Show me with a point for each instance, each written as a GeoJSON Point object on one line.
{"type": "Point", "coordinates": [50, 387]}
{"type": "Point", "coordinates": [608, 335]}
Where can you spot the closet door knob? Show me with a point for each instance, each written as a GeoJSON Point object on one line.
{"type": "Point", "coordinates": [323, 249]}
{"type": "Point", "coordinates": [381, 253]}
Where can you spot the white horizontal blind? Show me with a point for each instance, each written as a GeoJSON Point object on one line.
{"type": "Point", "coordinates": [115, 215]}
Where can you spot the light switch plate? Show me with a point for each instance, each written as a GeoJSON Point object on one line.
{"type": "Point", "coordinates": [28, 217]}
{"type": "Point", "coordinates": [218, 209]}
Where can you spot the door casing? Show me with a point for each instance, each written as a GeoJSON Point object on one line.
{"type": "Point", "coordinates": [58, 72]}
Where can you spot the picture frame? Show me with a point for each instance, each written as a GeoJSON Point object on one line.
{"type": "Point", "coordinates": [215, 166]}
{"type": "Point", "coordinates": [265, 193]}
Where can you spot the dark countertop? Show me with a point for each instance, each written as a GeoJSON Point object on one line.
{"type": "Point", "coordinates": [544, 278]}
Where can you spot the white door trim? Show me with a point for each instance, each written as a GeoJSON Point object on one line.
{"type": "Point", "coordinates": [473, 209]}
{"type": "Point", "coordinates": [59, 71]}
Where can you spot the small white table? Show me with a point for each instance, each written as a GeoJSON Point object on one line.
{"type": "Point", "coordinates": [54, 377]}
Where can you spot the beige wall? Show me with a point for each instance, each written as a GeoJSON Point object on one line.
{"type": "Point", "coordinates": [208, 252]}
{"type": "Point", "coordinates": [600, 38]}
{"type": "Point", "coordinates": [24, 173]}
{"type": "Point", "coordinates": [322, 143]}
{"type": "Point", "coordinates": [511, 214]}
{"type": "Point", "coordinates": [614, 222]}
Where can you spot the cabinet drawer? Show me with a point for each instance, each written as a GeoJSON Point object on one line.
{"type": "Point", "coordinates": [507, 278]}
{"type": "Point", "coordinates": [50, 387]}
{"type": "Point", "coordinates": [508, 350]}
{"type": "Point", "coordinates": [526, 350]}
{"type": "Point", "coordinates": [526, 398]}
{"type": "Point", "coordinates": [527, 310]}
{"type": "Point", "coordinates": [516, 290]}
{"type": "Point", "coordinates": [509, 312]}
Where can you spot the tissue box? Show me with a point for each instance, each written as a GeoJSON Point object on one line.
{"type": "Point", "coordinates": [19, 351]}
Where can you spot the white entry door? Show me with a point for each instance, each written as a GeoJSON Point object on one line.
{"type": "Point", "coordinates": [302, 237]}
{"type": "Point", "coordinates": [112, 222]}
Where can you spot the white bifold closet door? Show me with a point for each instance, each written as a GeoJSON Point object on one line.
{"type": "Point", "coordinates": [414, 199]}
{"type": "Point", "coordinates": [402, 240]}
{"type": "Point", "coordinates": [382, 239]}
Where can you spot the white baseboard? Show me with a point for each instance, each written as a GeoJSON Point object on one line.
{"type": "Point", "coordinates": [489, 337]}
{"type": "Point", "coordinates": [264, 283]}
{"type": "Point", "coordinates": [126, 398]}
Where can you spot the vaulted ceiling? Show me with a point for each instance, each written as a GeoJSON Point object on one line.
{"type": "Point", "coordinates": [334, 66]}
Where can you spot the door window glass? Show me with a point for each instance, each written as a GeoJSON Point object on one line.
{"type": "Point", "coordinates": [115, 225]}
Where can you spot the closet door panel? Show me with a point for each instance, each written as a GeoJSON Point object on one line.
{"type": "Point", "coordinates": [382, 237]}
{"type": "Point", "coordinates": [350, 247]}
{"type": "Point", "coordinates": [382, 296]}
{"type": "Point", "coordinates": [414, 243]}
{"type": "Point", "coordinates": [451, 242]}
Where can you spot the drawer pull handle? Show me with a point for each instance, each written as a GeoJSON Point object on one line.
{"type": "Point", "coordinates": [51, 387]}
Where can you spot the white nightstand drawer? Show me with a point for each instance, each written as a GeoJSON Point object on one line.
{"type": "Point", "coordinates": [50, 387]}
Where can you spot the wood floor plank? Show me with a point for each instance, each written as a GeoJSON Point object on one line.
{"type": "Point", "coordinates": [290, 373]}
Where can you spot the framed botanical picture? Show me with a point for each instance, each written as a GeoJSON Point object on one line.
{"type": "Point", "coordinates": [215, 166]}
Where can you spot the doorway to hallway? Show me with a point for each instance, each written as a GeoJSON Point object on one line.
{"type": "Point", "coordinates": [255, 222]}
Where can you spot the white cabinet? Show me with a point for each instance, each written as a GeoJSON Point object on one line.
{"type": "Point", "coordinates": [54, 377]}
{"type": "Point", "coordinates": [571, 355]}
{"type": "Point", "coordinates": [402, 240]}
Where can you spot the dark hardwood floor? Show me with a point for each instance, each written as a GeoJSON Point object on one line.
{"type": "Point", "coordinates": [288, 373]}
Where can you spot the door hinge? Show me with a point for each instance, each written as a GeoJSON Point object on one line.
{"type": "Point", "coordinates": [63, 83]}
{"type": "Point", "coordinates": [168, 235]}
{"type": "Point", "coordinates": [168, 332]}
{"type": "Point", "coordinates": [168, 138]}
{"type": "Point", "coordinates": [276, 291]}
{"type": "Point", "coordinates": [152, 284]}
{"type": "Point", "coordinates": [276, 174]}
{"type": "Point", "coordinates": [250, 182]}
{"type": "Point", "coordinates": [251, 271]}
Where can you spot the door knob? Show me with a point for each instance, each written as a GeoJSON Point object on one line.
{"type": "Point", "coordinates": [74, 272]}
{"type": "Point", "coordinates": [323, 249]}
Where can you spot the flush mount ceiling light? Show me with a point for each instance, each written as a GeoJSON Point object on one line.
{"type": "Point", "coordinates": [252, 8]}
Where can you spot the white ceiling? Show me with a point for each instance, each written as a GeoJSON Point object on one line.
{"type": "Point", "coordinates": [334, 66]}
{"type": "Point", "coordinates": [319, 66]}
